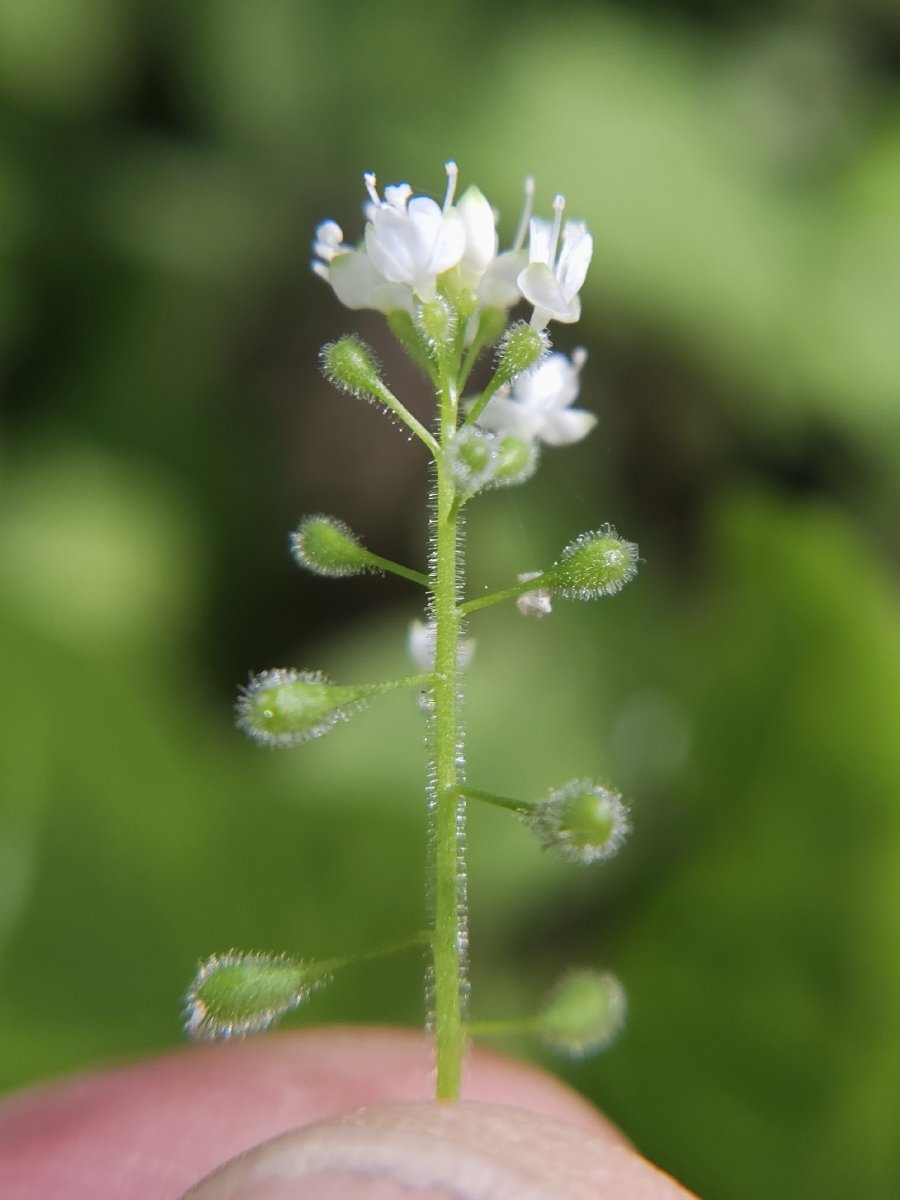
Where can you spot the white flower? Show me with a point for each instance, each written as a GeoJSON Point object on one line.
{"type": "Point", "coordinates": [537, 406]}
{"type": "Point", "coordinates": [411, 239]}
{"type": "Point", "coordinates": [537, 603]}
{"type": "Point", "coordinates": [552, 282]}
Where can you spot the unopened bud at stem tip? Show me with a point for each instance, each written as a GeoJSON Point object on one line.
{"type": "Point", "coordinates": [326, 546]}
{"type": "Point", "coordinates": [351, 366]}
{"type": "Point", "coordinates": [593, 565]}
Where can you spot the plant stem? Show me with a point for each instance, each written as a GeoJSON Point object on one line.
{"type": "Point", "coordinates": [446, 774]}
{"type": "Point", "coordinates": [530, 585]}
{"type": "Point", "coordinates": [518, 806]}
{"type": "Point", "coordinates": [399, 944]}
{"type": "Point", "coordinates": [385, 564]}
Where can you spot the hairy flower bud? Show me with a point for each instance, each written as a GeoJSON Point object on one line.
{"type": "Point", "coordinates": [473, 458]}
{"type": "Point", "coordinates": [234, 994]}
{"type": "Point", "coordinates": [517, 460]}
{"type": "Point", "coordinates": [326, 546]}
{"type": "Point", "coordinates": [595, 564]}
{"type": "Point", "coordinates": [436, 322]}
{"type": "Point", "coordinates": [584, 1012]}
{"type": "Point", "coordinates": [581, 821]}
{"type": "Point", "coordinates": [351, 366]}
{"type": "Point", "coordinates": [284, 707]}
{"type": "Point", "coordinates": [522, 347]}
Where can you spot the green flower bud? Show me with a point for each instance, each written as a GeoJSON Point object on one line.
{"type": "Point", "coordinates": [595, 564]}
{"type": "Point", "coordinates": [351, 366]}
{"type": "Point", "coordinates": [326, 546]}
{"type": "Point", "coordinates": [582, 822]}
{"type": "Point", "coordinates": [284, 707]}
{"type": "Point", "coordinates": [516, 461]}
{"type": "Point", "coordinates": [473, 458]}
{"type": "Point", "coordinates": [521, 348]}
{"type": "Point", "coordinates": [436, 322]}
{"type": "Point", "coordinates": [584, 1013]}
{"type": "Point", "coordinates": [233, 994]}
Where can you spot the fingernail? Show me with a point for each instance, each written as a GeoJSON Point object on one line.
{"type": "Point", "coordinates": [430, 1151]}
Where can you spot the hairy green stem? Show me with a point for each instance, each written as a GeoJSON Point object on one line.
{"type": "Point", "coordinates": [422, 938]}
{"type": "Point", "coordinates": [530, 585]}
{"type": "Point", "coordinates": [518, 806]}
{"type": "Point", "coordinates": [387, 564]}
{"type": "Point", "coordinates": [446, 774]}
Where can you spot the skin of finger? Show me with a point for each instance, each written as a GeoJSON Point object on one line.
{"type": "Point", "coordinates": [434, 1151]}
{"type": "Point", "coordinates": [153, 1129]}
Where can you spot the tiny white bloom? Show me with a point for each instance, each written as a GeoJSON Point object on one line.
{"type": "Point", "coordinates": [551, 281]}
{"type": "Point", "coordinates": [412, 239]}
{"type": "Point", "coordinates": [537, 603]}
{"type": "Point", "coordinates": [409, 241]}
{"type": "Point", "coordinates": [537, 406]}
{"type": "Point", "coordinates": [420, 646]}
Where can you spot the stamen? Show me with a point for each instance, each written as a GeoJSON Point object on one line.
{"type": "Point", "coordinates": [452, 175]}
{"type": "Point", "coordinates": [579, 357]}
{"type": "Point", "coordinates": [559, 206]}
{"type": "Point", "coordinates": [526, 213]}
{"type": "Point", "coordinates": [371, 188]}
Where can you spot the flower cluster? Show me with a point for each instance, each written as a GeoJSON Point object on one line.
{"type": "Point", "coordinates": [414, 248]}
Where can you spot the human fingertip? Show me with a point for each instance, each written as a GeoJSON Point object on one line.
{"type": "Point", "coordinates": [434, 1151]}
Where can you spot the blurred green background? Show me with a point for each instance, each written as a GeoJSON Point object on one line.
{"type": "Point", "coordinates": [162, 167]}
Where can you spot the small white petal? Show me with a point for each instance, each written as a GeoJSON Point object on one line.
{"type": "Point", "coordinates": [553, 383]}
{"type": "Point", "coordinates": [449, 244]}
{"type": "Point", "coordinates": [506, 416]}
{"type": "Point", "coordinates": [499, 287]}
{"type": "Point", "coordinates": [541, 288]}
{"type": "Point", "coordinates": [539, 237]}
{"type": "Point", "coordinates": [564, 428]}
{"type": "Point", "coordinates": [480, 231]}
{"type": "Point", "coordinates": [357, 284]}
{"type": "Point", "coordinates": [577, 251]}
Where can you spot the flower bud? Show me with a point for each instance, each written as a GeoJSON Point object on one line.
{"type": "Point", "coordinates": [326, 546]}
{"type": "Point", "coordinates": [581, 821]}
{"type": "Point", "coordinates": [436, 322]}
{"type": "Point", "coordinates": [516, 461]}
{"type": "Point", "coordinates": [473, 458]}
{"type": "Point", "coordinates": [595, 564]}
{"type": "Point", "coordinates": [350, 365]}
{"type": "Point", "coordinates": [233, 994]}
{"type": "Point", "coordinates": [584, 1013]}
{"type": "Point", "coordinates": [522, 347]}
{"type": "Point", "coordinates": [284, 707]}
